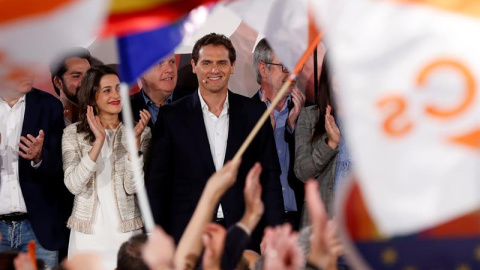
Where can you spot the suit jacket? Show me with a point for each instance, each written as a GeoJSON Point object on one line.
{"type": "Point", "coordinates": [48, 201]}
{"type": "Point", "coordinates": [138, 103]}
{"type": "Point", "coordinates": [293, 181]}
{"type": "Point", "coordinates": [181, 163]}
{"type": "Point", "coordinates": [314, 160]}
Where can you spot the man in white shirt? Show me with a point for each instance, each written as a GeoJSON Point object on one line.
{"type": "Point", "coordinates": [196, 135]}
{"type": "Point", "coordinates": [32, 193]}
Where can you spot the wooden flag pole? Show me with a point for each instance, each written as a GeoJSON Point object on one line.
{"type": "Point", "coordinates": [275, 101]}
{"type": "Point", "coordinates": [132, 149]}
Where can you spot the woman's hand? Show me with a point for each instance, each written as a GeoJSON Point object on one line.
{"type": "Point", "coordinates": [333, 132]}
{"type": "Point", "coordinates": [141, 125]}
{"type": "Point", "coordinates": [95, 126]}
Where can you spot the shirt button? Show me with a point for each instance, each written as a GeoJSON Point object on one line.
{"type": "Point", "coordinates": [279, 151]}
{"type": "Point", "coordinates": [14, 188]}
{"type": "Point", "coordinates": [283, 188]}
{"type": "Point", "coordinates": [15, 207]}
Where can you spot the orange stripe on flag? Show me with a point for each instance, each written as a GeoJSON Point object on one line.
{"type": "Point", "coordinates": [469, 139]}
{"type": "Point", "coordinates": [11, 10]}
{"type": "Point", "coordinates": [466, 7]}
{"type": "Point", "coordinates": [313, 32]}
{"type": "Point", "coordinates": [121, 6]}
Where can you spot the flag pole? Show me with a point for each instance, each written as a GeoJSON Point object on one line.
{"type": "Point", "coordinates": [132, 149]}
{"type": "Point", "coordinates": [279, 96]}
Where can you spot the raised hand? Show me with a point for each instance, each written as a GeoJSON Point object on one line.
{"type": "Point", "coordinates": [141, 125]}
{"type": "Point", "coordinates": [222, 180]}
{"type": "Point", "coordinates": [253, 198]}
{"type": "Point", "coordinates": [23, 262]}
{"type": "Point", "coordinates": [282, 251]}
{"type": "Point", "coordinates": [158, 251]}
{"type": "Point", "coordinates": [95, 126]}
{"type": "Point", "coordinates": [82, 261]}
{"type": "Point", "coordinates": [325, 246]}
{"type": "Point", "coordinates": [333, 132]}
{"type": "Point", "coordinates": [298, 99]}
{"type": "Point", "coordinates": [214, 241]}
{"type": "Point", "coordinates": [31, 147]}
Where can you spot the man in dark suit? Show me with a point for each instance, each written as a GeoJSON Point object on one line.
{"type": "Point", "coordinates": [271, 75]}
{"type": "Point", "coordinates": [196, 135]}
{"type": "Point", "coordinates": [34, 204]}
{"type": "Point", "coordinates": [158, 89]}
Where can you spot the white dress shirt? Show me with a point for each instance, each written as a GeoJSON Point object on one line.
{"type": "Point", "coordinates": [11, 119]}
{"type": "Point", "coordinates": [217, 132]}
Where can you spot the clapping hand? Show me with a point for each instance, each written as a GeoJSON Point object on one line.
{"type": "Point", "coordinates": [282, 251]}
{"type": "Point", "coordinates": [95, 126]}
{"type": "Point", "coordinates": [325, 246]}
{"type": "Point", "coordinates": [141, 125]}
{"type": "Point", "coordinates": [214, 241]}
{"type": "Point", "coordinates": [31, 147]}
{"type": "Point", "coordinates": [333, 132]}
{"type": "Point", "coordinates": [298, 99]}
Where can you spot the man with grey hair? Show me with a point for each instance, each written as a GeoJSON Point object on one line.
{"type": "Point", "coordinates": [271, 75]}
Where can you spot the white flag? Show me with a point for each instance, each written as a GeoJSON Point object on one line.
{"type": "Point", "coordinates": [287, 25]}
{"type": "Point", "coordinates": [33, 32]}
{"type": "Point", "coordinates": [408, 74]}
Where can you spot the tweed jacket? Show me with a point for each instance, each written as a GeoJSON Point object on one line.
{"type": "Point", "coordinates": [80, 179]}
{"type": "Point", "coordinates": [314, 159]}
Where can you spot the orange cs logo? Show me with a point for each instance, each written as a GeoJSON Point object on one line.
{"type": "Point", "coordinates": [395, 128]}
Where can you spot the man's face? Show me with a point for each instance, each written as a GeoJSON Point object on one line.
{"type": "Point", "coordinates": [275, 77]}
{"type": "Point", "coordinates": [71, 79]}
{"type": "Point", "coordinates": [161, 77]}
{"type": "Point", "coordinates": [213, 68]}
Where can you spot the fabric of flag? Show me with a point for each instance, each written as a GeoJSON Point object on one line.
{"type": "Point", "coordinates": [149, 30]}
{"type": "Point", "coordinates": [33, 32]}
{"type": "Point", "coordinates": [287, 25]}
{"type": "Point", "coordinates": [451, 245]}
{"type": "Point", "coordinates": [408, 75]}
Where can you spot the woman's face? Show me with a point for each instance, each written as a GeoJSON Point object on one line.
{"type": "Point", "coordinates": [107, 97]}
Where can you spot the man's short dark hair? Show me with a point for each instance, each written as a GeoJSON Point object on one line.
{"type": "Point", "coordinates": [58, 67]}
{"type": "Point", "coordinates": [130, 254]}
{"type": "Point", "coordinates": [215, 40]}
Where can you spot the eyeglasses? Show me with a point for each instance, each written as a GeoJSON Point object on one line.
{"type": "Point", "coordinates": [284, 68]}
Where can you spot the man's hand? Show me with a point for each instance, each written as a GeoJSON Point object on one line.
{"type": "Point", "coordinates": [298, 99]}
{"type": "Point", "coordinates": [282, 251]}
{"type": "Point", "coordinates": [141, 125]}
{"type": "Point", "coordinates": [31, 147]}
{"type": "Point", "coordinates": [325, 246]}
{"type": "Point", "coordinates": [214, 241]}
{"type": "Point", "coordinates": [253, 198]}
{"type": "Point", "coordinates": [158, 251]}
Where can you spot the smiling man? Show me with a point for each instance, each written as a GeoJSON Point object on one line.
{"type": "Point", "coordinates": [197, 135]}
{"type": "Point", "coordinates": [67, 73]}
{"type": "Point", "coordinates": [157, 89]}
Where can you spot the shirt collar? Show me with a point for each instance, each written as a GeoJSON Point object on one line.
{"type": "Point", "coordinates": [204, 105]}
{"type": "Point", "coordinates": [19, 102]}
{"type": "Point", "coordinates": [149, 102]}
{"type": "Point", "coordinates": [285, 106]}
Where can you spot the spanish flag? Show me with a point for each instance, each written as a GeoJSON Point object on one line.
{"type": "Point", "coordinates": [148, 30]}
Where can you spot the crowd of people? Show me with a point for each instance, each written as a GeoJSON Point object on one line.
{"type": "Point", "coordinates": [67, 181]}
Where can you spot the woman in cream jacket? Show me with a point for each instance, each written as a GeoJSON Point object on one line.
{"type": "Point", "coordinates": [98, 170]}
